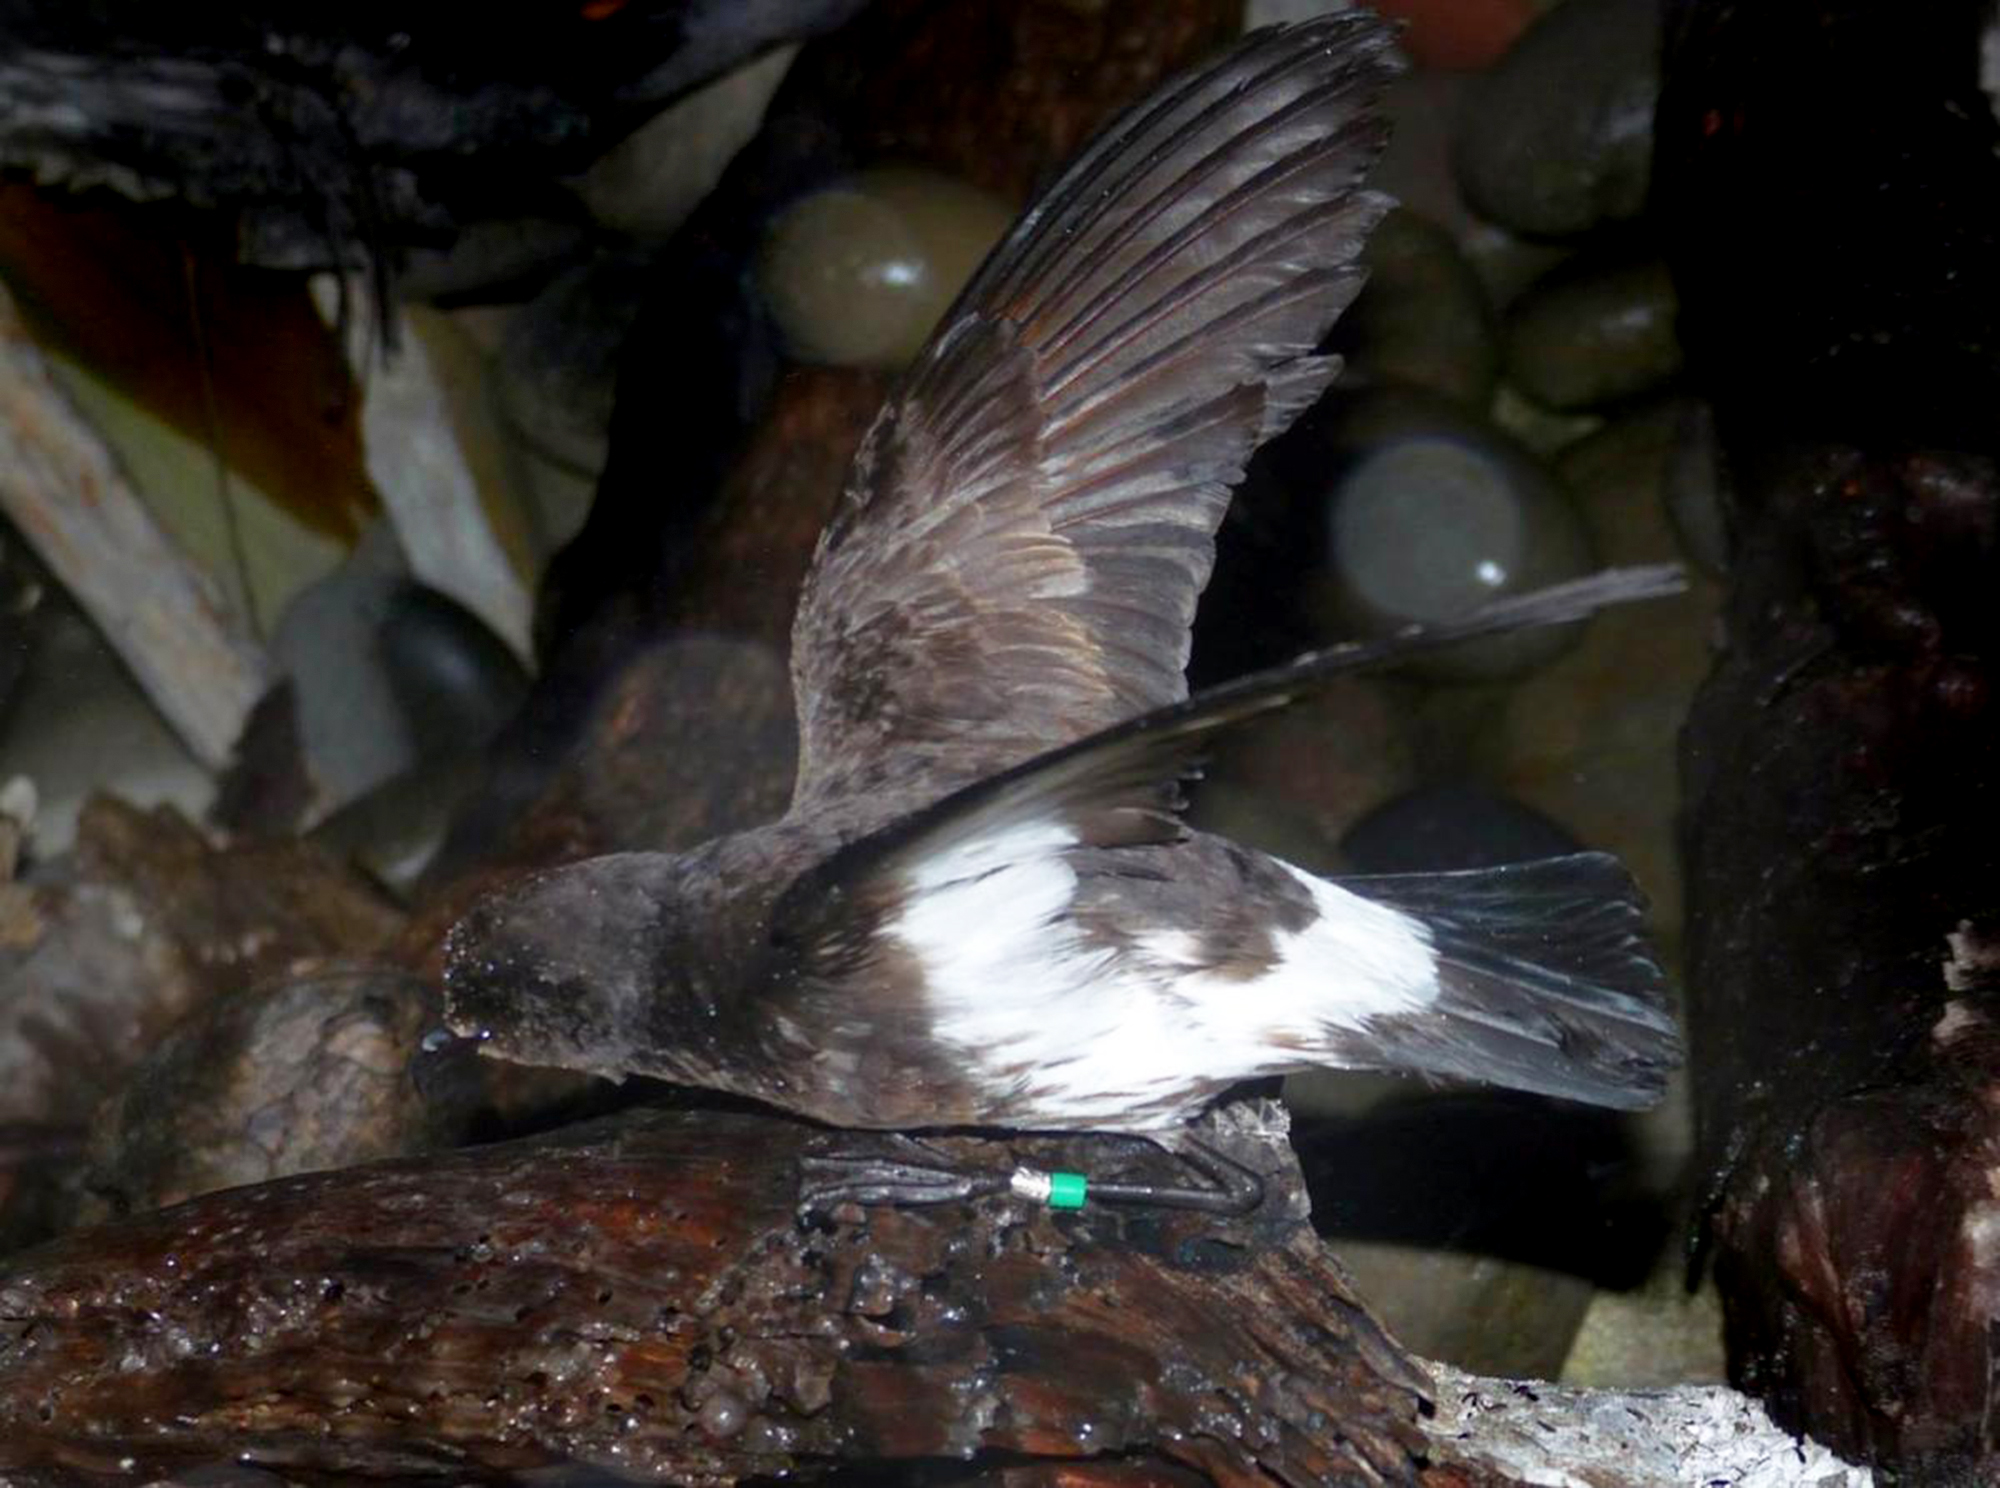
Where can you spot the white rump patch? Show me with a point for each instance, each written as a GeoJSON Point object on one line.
{"type": "Point", "coordinates": [1097, 1036]}
{"type": "Point", "coordinates": [1365, 959]}
{"type": "Point", "coordinates": [1356, 961]}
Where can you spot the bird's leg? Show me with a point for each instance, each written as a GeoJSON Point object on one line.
{"type": "Point", "coordinates": [1234, 1189]}
{"type": "Point", "coordinates": [879, 1178]}
{"type": "Point", "coordinates": [925, 1177]}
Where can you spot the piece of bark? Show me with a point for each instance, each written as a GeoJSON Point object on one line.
{"type": "Point", "coordinates": [447, 520]}
{"type": "Point", "coordinates": [194, 655]}
{"type": "Point", "coordinates": [268, 790]}
{"type": "Point", "coordinates": [242, 914]}
{"type": "Point", "coordinates": [643, 1295]}
{"type": "Point", "coordinates": [86, 981]}
{"type": "Point", "coordinates": [152, 300]}
{"type": "Point", "coordinates": [1840, 279]}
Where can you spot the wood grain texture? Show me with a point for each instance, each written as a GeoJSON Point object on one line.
{"type": "Point", "coordinates": [642, 1295]}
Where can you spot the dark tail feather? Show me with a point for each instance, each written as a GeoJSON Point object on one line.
{"type": "Point", "coordinates": [1546, 983]}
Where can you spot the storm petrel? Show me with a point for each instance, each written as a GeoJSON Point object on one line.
{"type": "Point", "coordinates": [983, 908]}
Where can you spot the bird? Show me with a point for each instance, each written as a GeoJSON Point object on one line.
{"type": "Point", "coordinates": [984, 907]}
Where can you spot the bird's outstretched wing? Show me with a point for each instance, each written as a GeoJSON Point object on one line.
{"type": "Point", "coordinates": [1117, 786]}
{"type": "Point", "coordinates": [1029, 523]}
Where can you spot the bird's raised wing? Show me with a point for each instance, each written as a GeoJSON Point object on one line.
{"type": "Point", "coordinates": [1031, 519]}
{"type": "Point", "coordinates": [1116, 786]}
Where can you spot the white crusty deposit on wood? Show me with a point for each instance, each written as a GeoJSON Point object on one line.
{"type": "Point", "coordinates": [1690, 1436]}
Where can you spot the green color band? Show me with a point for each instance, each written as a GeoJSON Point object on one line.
{"type": "Point", "coordinates": [1066, 1190]}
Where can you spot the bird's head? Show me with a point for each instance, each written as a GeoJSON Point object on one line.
{"type": "Point", "coordinates": [582, 967]}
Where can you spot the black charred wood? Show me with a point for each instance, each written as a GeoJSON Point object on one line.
{"type": "Point", "coordinates": [1827, 178]}
{"type": "Point", "coordinates": [1843, 772]}
{"type": "Point", "coordinates": [1828, 181]}
{"type": "Point", "coordinates": [365, 126]}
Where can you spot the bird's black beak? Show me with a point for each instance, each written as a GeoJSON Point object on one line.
{"type": "Point", "coordinates": [445, 1064]}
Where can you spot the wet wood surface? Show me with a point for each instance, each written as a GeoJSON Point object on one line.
{"type": "Point", "coordinates": [645, 1295]}
{"type": "Point", "coordinates": [644, 1298]}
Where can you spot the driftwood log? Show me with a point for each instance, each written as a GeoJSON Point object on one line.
{"type": "Point", "coordinates": [1840, 275]}
{"type": "Point", "coordinates": [1842, 871]}
{"type": "Point", "coordinates": [645, 1295]}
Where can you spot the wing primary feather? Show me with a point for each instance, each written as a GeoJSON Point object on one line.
{"type": "Point", "coordinates": [1107, 373]}
{"type": "Point", "coordinates": [1136, 767]}
{"type": "Point", "coordinates": [1162, 364]}
{"type": "Point", "coordinates": [1298, 47]}
{"type": "Point", "coordinates": [1232, 203]}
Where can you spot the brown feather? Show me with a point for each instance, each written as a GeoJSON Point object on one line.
{"type": "Point", "coordinates": [1027, 528]}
